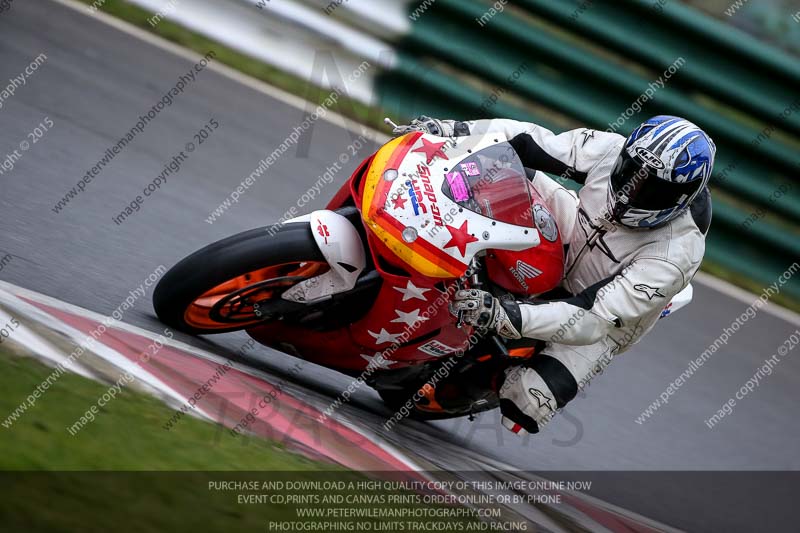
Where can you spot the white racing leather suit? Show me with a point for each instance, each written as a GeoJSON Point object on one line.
{"type": "Point", "coordinates": [621, 278]}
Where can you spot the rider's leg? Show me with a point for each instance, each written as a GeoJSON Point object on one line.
{"type": "Point", "coordinates": [533, 393]}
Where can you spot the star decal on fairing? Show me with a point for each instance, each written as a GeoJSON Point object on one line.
{"type": "Point", "coordinates": [460, 238]}
{"type": "Point", "coordinates": [399, 202]}
{"type": "Point", "coordinates": [595, 235]}
{"type": "Point", "coordinates": [541, 399]}
{"type": "Point", "coordinates": [377, 361]}
{"type": "Point", "coordinates": [409, 318]}
{"type": "Point", "coordinates": [384, 336]}
{"type": "Point", "coordinates": [412, 291]}
{"type": "Point", "coordinates": [431, 150]}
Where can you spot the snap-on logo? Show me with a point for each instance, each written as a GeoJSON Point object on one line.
{"type": "Point", "coordinates": [419, 196]}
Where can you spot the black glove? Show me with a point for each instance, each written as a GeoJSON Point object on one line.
{"type": "Point", "coordinates": [482, 310]}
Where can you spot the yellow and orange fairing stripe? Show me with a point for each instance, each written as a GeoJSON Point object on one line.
{"type": "Point", "coordinates": [420, 255]}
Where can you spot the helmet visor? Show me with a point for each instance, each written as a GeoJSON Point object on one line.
{"type": "Point", "coordinates": [635, 183]}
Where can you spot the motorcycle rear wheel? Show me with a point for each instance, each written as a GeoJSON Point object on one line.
{"type": "Point", "coordinates": [215, 289]}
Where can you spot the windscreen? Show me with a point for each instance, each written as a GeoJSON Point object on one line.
{"type": "Point", "coordinates": [492, 183]}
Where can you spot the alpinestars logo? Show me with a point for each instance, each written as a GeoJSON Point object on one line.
{"type": "Point", "coordinates": [541, 399]}
{"type": "Point", "coordinates": [651, 292]}
{"type": "Point", "coordinates": [523, 271]}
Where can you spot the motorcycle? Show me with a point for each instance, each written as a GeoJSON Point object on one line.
{"type": "Point", "coordinates": [364, 286]}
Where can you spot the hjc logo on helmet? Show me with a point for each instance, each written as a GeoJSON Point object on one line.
{"type": "Point", "coordinates": [650, 158]}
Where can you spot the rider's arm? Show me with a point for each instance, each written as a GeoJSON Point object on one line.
{"type": "Point", "coordinates": [571, 154]}
{"type": "Point", "coordinates": [643, 288]}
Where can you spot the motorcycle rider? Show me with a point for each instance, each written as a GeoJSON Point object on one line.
{"type": "Point", "coordinates": [634, 237]}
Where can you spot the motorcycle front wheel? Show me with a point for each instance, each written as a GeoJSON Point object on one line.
{"type": "Point", "coordinates": [218, 288]}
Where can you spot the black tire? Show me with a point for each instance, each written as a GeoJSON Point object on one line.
{"type": "Point", "coordinates": [224, 260]}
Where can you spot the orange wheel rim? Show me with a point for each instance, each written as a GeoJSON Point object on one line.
{"type": "Point", "coordinates": [222, 308]}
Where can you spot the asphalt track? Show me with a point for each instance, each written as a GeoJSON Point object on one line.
{"type": "Point", "coordinates": [95, 83]}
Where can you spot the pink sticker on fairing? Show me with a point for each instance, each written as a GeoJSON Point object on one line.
{"type": "Point", "coordinates": [458, 186]}
{"type": "Point", "coordinates": [471, 169]}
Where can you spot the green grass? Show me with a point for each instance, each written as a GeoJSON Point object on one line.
{"type": "Point", "coordinates": [126, 435]}
{"type": "Point", "coordinates": [124, 472]}
{"type": "Point", "coordinates": [751, 285]}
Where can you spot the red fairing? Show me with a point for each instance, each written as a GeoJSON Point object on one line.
{"type": "Point", "coordinates": [347, 193]}
{"type": "Point", "coordinates": [410, 321]}
{"type": "Point", "coordinates": [536, 270]}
